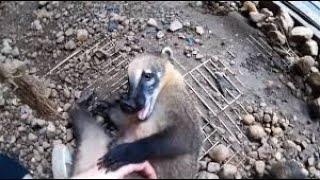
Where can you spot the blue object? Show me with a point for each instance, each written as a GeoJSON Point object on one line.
{"type": "Point", "coordinates": [11, 169]}
{"type": "Point", "coordinates": [190, 41]}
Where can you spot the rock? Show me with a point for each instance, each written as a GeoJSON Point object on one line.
{"type": "Point", "coordinates": [220, 153]}
{"type": "Point", "coordinates": [310, 47]}
{"type": "Point", "coordinates": [228, 171]}
{"type": "Point", "coordinates": [69, 135]}
{"type": "Point", "coordinates": [203, 165]}
{"type": "Point", "coordinates": [152, 22]}
{"type": "Point", "coordinates": [248, 119]}
{"type": "Point", "coordinates": [311, 161]}
{"type": "Point", "coordinates": [260, 167]}
{"type": "Point", "coordinates": [175, 26]}
{"type": "Point", "coordinates": [301, 34]}
{"type": "Point", "coordinates": [186, 24]}
{"type": "Point", "coordinates": [277, 131]}
{"type": "Point", "coordinates": [32, 137]}
{"type": "Point", "coordinates": [39, 122]}
{"type": "Point", "coordinates": [278, 156]}
{"type": "Point", "coordinates": [66, 107]}
{"type": "Point", "coordinates": [199, 30]}
{"type": "Point", "coordinates": [36, 25]}
{"type": "Point", "coordinates": [69, 32]}
{"type": "Point", "coordinates": [256, 132]}
{"type": "Point", "coordinates": [267, 27]}
{"type": "Point", "coordinates": [199, 56]}
{"type": "Point", "coordinates": [287, 170]}
{"type": "Point", "coordinates": [303, 65]}
{"type": "Point", "coordinates": [70, 45]}
{"type": "Point", "coordinates": [213, 167]}
{"type": "Point", "coordinates": [203, 175]}
{"type": "Point", "coordinates": [286, 21]}
{"type": "Point", "coordinates": [257, 17]}
{"type": "Point", "coordinates": [267, 118]}
{"type": "Point", "coordinates": [160, 34]}
{"type": "Point", "coordinates": [51, 130]}
{"type": "Point", "coordinates": [249, 6]}
{"type": "Point", "coordinates": [265, 152]}
{"type": "Point", "coordinates": [267, 12]}
{"type": "Point", "coordinates": [276, 37]}
{"type": "Point", "coordinates": [82, 35]}
{"type": "Point", "coordinates": [6, 50]}
{"type": "Point", "coordinates": [314, 82]}
{"type": "Point", "coordinates": [212, 176]}
{"type": "Point", "coordinates": [60, 39]}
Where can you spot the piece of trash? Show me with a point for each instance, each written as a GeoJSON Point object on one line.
{"type": "Point", "coordinates": [61, 161]}
{"type": "Point", "coordinates": [190, 41]}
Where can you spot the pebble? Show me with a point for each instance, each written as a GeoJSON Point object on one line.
{"type": "Point", "coordinates": [267, 118]}
{"type": "Point", "coordinates": [152, 22]}
{"type": "Point", "coordinates": [36, 25]}
{"type": "Point", "coordinates": [303, 65]}
{"type": "Point", "coordinates": [277, 37]}
{"type": "Point", "coordinates": [82, 35]}
{"type": "Point", "coordinates": [199, 56]}
{"type": "Point", "coordinates": [220, 153]}
{"type": "Point", "coordinates": [249, 109]}
{"type": "Point", "coordinates": [69, 32]}
{"type": "Point", "coordinates": [277, 131]}
{"type": "Point", "coordinates": [160, 34]}
{"type": "Point", "coordinates": [228, 171]}
{"type": "Point", "coordinates": [69, 135]}
{"type": "Point", "coordinates": [203, 165]}
{"type": "Point", "coordinates": [175, 26]}
{"type": "Point", "coordinates": [310, 47]}
{"type": "Point", "coordinates": [278, 156]}
{"type": "Point", "coordinates": [32, 137]}
{"type": "Point", "coordinates": [248, 119]}
{"type": "Point", "coordinates": [6, 50]}
{"type": "Point", "coordinates": [70, 45]}
{"type": "Point", "coordinates": [66, 107]}
{"type": "Point", "coordinates": [199, 30]}
{"type": "Point", "coordinates": [257, 17]}
{"type": "Point", "coordinates": [311, 161]}
{"type": "Point", "coordinates": [257, 132]}
{"type": "Point", "coordinates": [301, 33]}
{"type": "Point", "coordinates": [214, 167]}
{"type": "Point", "coordinates": [51, 130]}
{"type": "Point", "coordinates": [260, 167]}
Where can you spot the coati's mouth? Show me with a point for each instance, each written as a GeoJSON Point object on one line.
{"type": "Point", "coordinates": [145, 112]}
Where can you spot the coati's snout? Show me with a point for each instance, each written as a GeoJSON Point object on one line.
{"type": "Point", "coordinates": [145, 74]}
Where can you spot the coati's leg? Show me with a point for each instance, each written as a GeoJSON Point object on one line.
{"type": "Point", "coordinates": [160, 145]}
{"type": "Point", "coordinates": [91, 141]}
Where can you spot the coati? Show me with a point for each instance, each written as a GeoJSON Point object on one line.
{"type": "Point", "coordinates": [156, 121]}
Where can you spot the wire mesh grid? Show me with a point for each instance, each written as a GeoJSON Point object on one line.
{"type": "Point", "coordinates": [214, 87]}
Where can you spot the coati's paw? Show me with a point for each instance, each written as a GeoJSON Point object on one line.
{"type": "Point", "coordinates": [122, 155]}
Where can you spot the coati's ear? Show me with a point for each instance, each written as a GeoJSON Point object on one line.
{"type": "Point", "coordinates": [167, 53]}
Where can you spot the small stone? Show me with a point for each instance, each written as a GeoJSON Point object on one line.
{"type": "Point", "coordinates": [264, 152]}
{"type": "Point", "coordinates": [69, 32]}
{"type": "Point", "coordinates": [314, 69]}
{"type": "Point", "coordinates": [160, 34]}
{"type": "Point", "coordinates": [249, 109]}
{"type": "Point", "coordinates": [291, 86]}
{"type": "Point", "coordinates": [203, 165]}
{"type": "Point", "coordinates": [303, 65]}
{"type": "Point", "coordinates": [248, 119]}
{"type": "Point", "coordinates": [15, 52]}
{"type": "Point", "coordinates": [69, 135]}
{"type": "Point", "coordinates": [32, 137]}
{"type": "Point", "coordinates": [267, 118]}
{"type": "Point", "coordinates": [70, 45]}
{"type": "Point", "coordinates": [212, 176]}
{"type": "Point", "coordinates": [286, 21]}
{"type": "Point", "coordinates": [220, 153]}
{"type": "Point", "coordinates": [199, 30]}
{"type": "Point", "coordinates": [260, 167]}
{"type": "Point", "coordinates": [66, 107]}
{"type": "Point", "coordinates": [257, 17]}
{"type": "Point", "coordinates": [82, 35]}
{"type": "Point", "coordinates": [310, 47]}
{"type": "Point", "coordinates": [314, 81]}
{"type": "Point", "coordinates": [213, 167]}
{"type": "Point", "coordinates": [277, 38]}
{"type": "Point", "coordinates": [186, 24]}
{"type": "Point", "coordinates": [278, 156]}
{"type": "Point", "coordinates": [301, 33]}
{"type": "Point", "coordinates": [175, 26]}
{"type": "Point", "coordinates": [199, 56]}
{"type": "Point", "coordinates": [311, 161]}
{"type": "Point", "coordinates": [228, 171]}
{"type": "Point", "coordinates": [42, 3]}
{"type": "Point", "coordinates": [51, 130]}
{"type": "Point", "coordinates": [267, 12]}
{"type": "Point", "coordinates": [277, 131]}
{"type": "Point", "coordinates": [36, 25]}
{"type": "Point", "coordinates": [152, 22]}
{"type": "Point", "coordinates": [257, 132]}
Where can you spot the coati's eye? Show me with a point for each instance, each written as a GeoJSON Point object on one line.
{"type": "Point", "coordinates": [148, 76]}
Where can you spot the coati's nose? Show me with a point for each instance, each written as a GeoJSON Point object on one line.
{"type": "Point", "coordinates": [128, 105]}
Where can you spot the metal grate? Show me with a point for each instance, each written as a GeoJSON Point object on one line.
{"type": "Point", "coordinates": [213, 85]}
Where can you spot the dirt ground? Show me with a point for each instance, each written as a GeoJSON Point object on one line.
{"type": "Point", "coordinates": [259, 72]}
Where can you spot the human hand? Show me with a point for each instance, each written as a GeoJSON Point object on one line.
{"type": "Point", "coordinates": [144, 169]}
